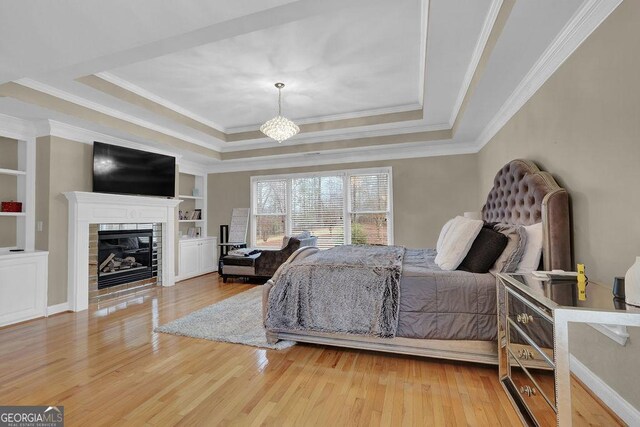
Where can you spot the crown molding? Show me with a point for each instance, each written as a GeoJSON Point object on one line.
{"type": "Point", "coordinates": [584, 22]}
{"type": "Point", "coordinates": [383, 152]}
{"type": "Point", "coordinates": [190, 167]}
{"type": "Point", "coordinates": [487, 27]}
{"type": "Point", "coordinates": [85, 136]}
{"type": "Point", "coordinates": [422, 63]}
{"type": "Point", "coordinates": [126, 84]}
{"type": "Point", "coordinates": [332, 135]}
{"type": "Point", "coordinates": [16, 128]}
{"type": "Point", "coordinates": [342, 116]}
{"type": "Point", "coordinates": [58, 93]}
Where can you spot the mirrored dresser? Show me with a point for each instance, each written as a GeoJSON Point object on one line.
{"type": "Point", "coordinates": [533, 342]}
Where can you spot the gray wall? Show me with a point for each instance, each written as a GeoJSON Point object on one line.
{"type": "Point", "coordinates": [583, 125]}
{"type": "Point", "coordinates": [63, 165]}
{"type": "Point", "coordinates": [426, 193]}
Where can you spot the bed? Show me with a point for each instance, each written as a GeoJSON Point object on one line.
{"type": "Point", "coordinates": [449, 314]}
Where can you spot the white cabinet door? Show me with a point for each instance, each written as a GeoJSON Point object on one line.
{"type": "Point", "coordinates": [189, 259]}
{"type": "Point", "coordinates": [208, 259]}
{"type": "Point", "coordinates": [23, 287]}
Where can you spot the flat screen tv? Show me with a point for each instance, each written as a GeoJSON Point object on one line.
{"type": "Point", "coordinates": [127, 171]}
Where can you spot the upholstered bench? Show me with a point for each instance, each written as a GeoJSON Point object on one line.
{"type": "Point", "coordinates": [261, 265]}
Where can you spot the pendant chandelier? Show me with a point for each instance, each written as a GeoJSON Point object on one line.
{"type": "Point", "coordinates": [279, 128]}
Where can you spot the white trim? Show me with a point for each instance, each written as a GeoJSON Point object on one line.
{"type": "Point", "coordinates": [85, 136]}
{"type": "Point", "coordinates": [341, 116]}
{"type": "Point", "coordinates": [422, 63]}
{"type": "Point", "coordinates": [191, 168]}
{"type": "Point", "coordinates": [58, 93]}
{"type": "Point", "coordinates": [127, 85]}
{"type": "Point", "coordinates": [383, 129]}
{"type": "Point", "coordinates": [623, 409]}
{"type": "Point", "coordinates": [617, 333]}
{"type": "Point", "coordinates": [16, 128]}
{"type": "Point", "coordinates": [487, 27]}
{"type": "Point", "coordinates": [58, 308]}
{"type": "Point", "coordinates": [327, 157]}
{"type": "Point", "coordinates": [582, 24]}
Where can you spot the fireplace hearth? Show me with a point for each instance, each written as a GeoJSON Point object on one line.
{"type": "Point", "coordinates": [125, 256]}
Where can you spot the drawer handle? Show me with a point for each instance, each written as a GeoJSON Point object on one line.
{"type": "Point", "coordinates": [524, 318]}
{"type": "Point", "coordinates": [525, 354]}
{"type": "Point", "coordinates": [528, 390]}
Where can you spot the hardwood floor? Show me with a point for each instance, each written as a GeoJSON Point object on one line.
{"type": "Point", "coordinates": [108, 367]}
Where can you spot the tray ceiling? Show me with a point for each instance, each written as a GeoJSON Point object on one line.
{"type": "Point", "coordinates": [364, 78]}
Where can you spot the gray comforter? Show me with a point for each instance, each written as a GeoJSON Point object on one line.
{"type": "Point", "coordinates": [383, 291]}
{"type": "Point", "coordinates": [437, 304]}
{"type": "Point", "coordinates": [348, 289]}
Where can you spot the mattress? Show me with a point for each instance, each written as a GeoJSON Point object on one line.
{"type": "Point", "coordinates": [448, 305]}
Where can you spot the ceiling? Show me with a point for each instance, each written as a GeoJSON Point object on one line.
{"type": "Point", "coordinates": [365, 79]}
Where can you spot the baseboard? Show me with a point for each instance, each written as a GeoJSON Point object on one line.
{"type": "Point", "coordinates": [58, 308]}
{"type": "Point", "coordinates": [623, 409]}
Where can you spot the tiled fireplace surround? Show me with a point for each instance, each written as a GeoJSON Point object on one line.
{"type": "Point", "coordinates": [97, 295]}
{"type": "Point", "coordinates": [86, 209]}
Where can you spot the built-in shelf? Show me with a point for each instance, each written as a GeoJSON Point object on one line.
{"type": "Point", "coordinates": [13, 213]}
{"type": "Point", "coordinates": [191, 197]}
{"type": "Point", "coordinates": [11, 172]}
{"type": "Point", "coordinates": [191, 220]}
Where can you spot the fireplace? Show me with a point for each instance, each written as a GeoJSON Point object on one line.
{"type": "Point", "coordinates": [125, 256]}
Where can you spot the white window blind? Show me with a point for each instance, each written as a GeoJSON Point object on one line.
{"type": "Point", "coordinates": [317, 206]}
{"type": "Point", "coordinates": [341, 207]}
{"type": "Point", "coordinates": [369, 208]}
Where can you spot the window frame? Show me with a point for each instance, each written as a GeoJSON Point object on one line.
{"type": "Point", "coordinates": [346, 188]}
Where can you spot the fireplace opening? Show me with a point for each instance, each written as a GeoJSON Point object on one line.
{"type": "Point", "coordinates": [125, 256]}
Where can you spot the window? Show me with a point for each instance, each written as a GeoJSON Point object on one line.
{"type": "Point", "coordinates": [343, 207]}
{"type": "Point", "coordinates": [270, 207]}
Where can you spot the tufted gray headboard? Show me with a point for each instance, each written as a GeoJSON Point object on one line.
{"type": "Point", "coordinates": [522, 194]}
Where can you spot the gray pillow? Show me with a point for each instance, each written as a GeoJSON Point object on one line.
{"type": "Point", "coordinates": [301, 236]}
{"type": "Point", "coordinates": [512, 254]}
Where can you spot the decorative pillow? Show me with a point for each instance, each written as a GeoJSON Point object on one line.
{"type": "Point", "coordinates": [300, 236]}
{"type": "Point", "coordinates": [508, 261]}
{"type": "Point", "coordinates": [533, 249]}
{"type": "Point", "coordinates": [457, 242]}
{"type": "Point", "coordinates": [443, 233]}
{"type": "Point", "coordinates": [484, 252]}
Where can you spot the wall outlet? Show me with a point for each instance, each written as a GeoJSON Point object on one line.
{"type": "Point", "coordinates": [39, 225]}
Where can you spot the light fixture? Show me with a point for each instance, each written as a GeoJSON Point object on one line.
{"type": "Point", "coordinates": [279, 128]}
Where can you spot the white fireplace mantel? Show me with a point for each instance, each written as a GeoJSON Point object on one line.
{"type": "Point", "coordinates": [100, 208]}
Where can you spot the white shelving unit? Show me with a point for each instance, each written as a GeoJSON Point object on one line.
{"type": "Point", "coordinates": [25, 192]}
{"type": "Point", "coordinates": [190, 181]}
{"type": "Point", "coordinates": [23, 275]}
{"type": "Point", "coordinates": [196, 256]}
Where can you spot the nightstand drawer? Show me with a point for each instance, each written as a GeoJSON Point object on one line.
{"type": "Point", "coordinates": [541, 379]}
{"type": "Point", "coordinates": [530, 346]}
{"type": "Point", "coordinates": [532, 394]}
{"type": "Point", "coordinates": [532, 320]}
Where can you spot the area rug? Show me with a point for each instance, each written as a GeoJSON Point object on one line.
{"type": "Point", "coordinates": [236, 320]}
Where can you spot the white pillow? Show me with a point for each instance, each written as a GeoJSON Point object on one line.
{"type": "Point", "coordinates": [533, 249]}
{"type": "Point", "coordinates": [443, 233]}
{"type": "Point", "coordinates": [457, 242]}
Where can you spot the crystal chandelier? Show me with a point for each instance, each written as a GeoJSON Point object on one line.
{"type": "Point", "coordinates": [279, 128]}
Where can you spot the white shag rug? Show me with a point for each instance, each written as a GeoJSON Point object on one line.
{"type": "Point", "coordinates": [237, 320]}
